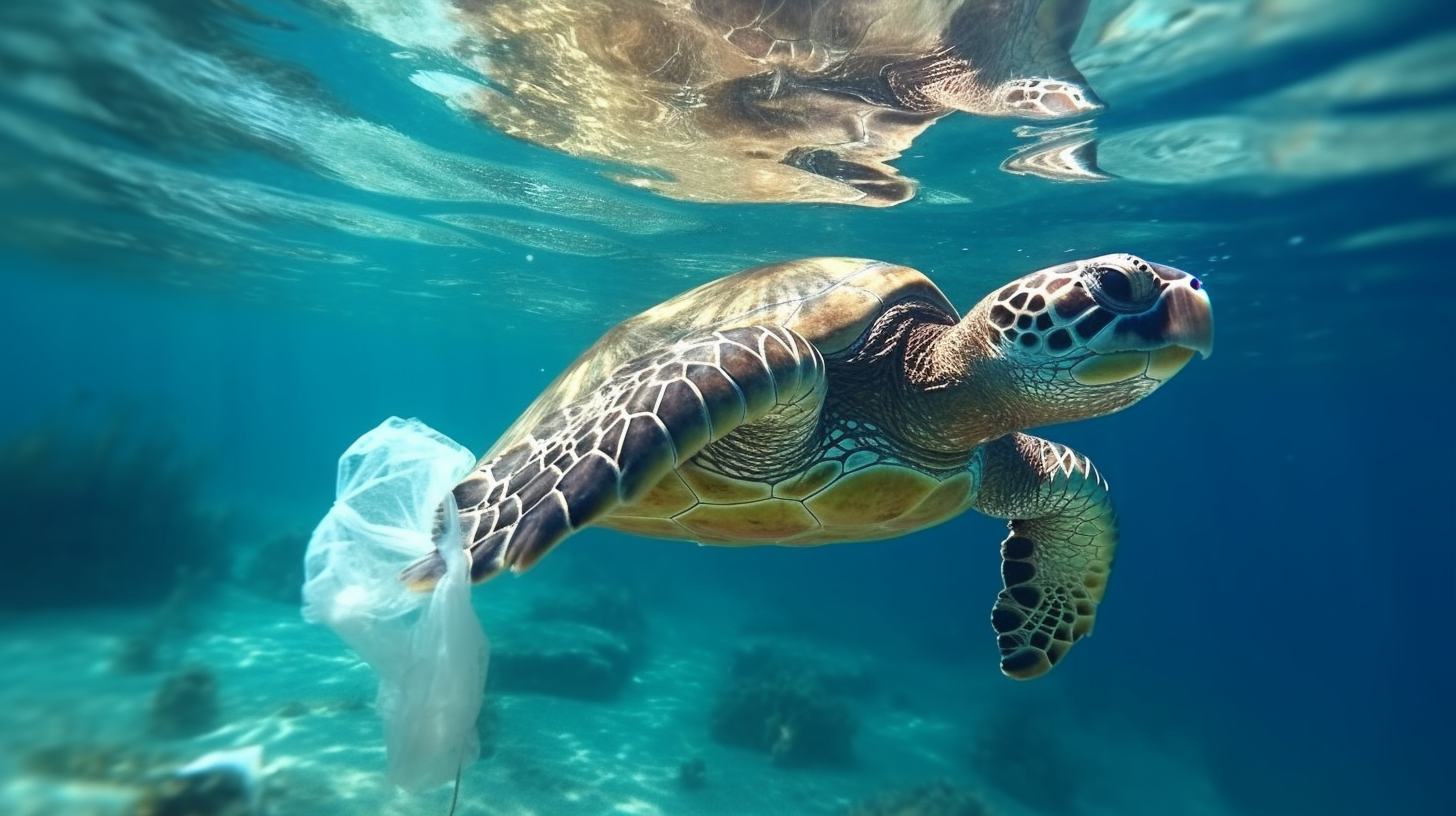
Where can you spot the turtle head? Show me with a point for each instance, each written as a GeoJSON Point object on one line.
{"type": "Point", "coordinates": [1088, 338]}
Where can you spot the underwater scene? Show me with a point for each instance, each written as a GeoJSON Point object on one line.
{"type": "Point", "coordinates": [797, 361]}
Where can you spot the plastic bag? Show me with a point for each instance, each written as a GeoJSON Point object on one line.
{"type": "Point", "coordinates": [427, 648]}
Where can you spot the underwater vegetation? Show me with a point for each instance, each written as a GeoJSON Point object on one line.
{"type": "Point", "coordinates": [933, 799]}
{"type": "Point", "coordinates": [784, 704]}
{"type": "Point", "coordinates": [103, 514]}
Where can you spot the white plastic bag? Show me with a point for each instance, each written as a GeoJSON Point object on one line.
{"type": "Point", "coordinates": [427, 648]}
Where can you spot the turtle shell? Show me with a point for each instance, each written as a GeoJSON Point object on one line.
{"type": "Point", "coordinates": [827, 301]}
{"type": "Point", "coordinates": [846, 495]}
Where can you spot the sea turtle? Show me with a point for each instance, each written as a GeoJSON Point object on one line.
{"type": "Point", "coordinates": [742, 100]}
{"type": "Point", "coordinates": [838, 399]}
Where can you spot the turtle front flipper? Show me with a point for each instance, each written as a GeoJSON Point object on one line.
{"type": "Point", "coordinates": [649, 416]}
{"type": "Point", "coordinates": [1056, 561]}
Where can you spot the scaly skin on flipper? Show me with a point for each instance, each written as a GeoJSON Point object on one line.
{"type": "Point", "coordinates": [650, 416]}
{"type": "Point", "coordinates": [834, 399]}
{"type": "Point", "coordinates": [1057, 559]}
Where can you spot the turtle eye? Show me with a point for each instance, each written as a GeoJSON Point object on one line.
{"type": "Point", "coordinates": [1119, 290]}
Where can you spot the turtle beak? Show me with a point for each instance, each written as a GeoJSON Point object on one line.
{"type": "Point", "coordinates": [1156, 343]}
{"type": "Point", "coordinates": [1179, 323]}
{"type": "Point", "coordinates": [1189, 317]}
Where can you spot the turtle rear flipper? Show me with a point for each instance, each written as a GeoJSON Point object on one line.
{"type": "Point", "coordinates": [1015, 62]}
{"type": "Point", "coordinates": [1056, 561]}
{"type": "Point", "coordinates": [649, 416]}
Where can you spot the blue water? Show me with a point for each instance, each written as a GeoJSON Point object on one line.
{"type": "Point", "coordinates": [264, 239]}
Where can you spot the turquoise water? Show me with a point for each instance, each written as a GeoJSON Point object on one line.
{"type": "Point", "coordinates": [236, 238]}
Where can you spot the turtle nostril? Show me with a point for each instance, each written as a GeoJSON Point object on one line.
{"type": "Point", "coordinates": [1196, 284]}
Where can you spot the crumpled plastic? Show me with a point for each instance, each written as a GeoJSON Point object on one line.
{"type": "Point", "coordinates": [427, 648]}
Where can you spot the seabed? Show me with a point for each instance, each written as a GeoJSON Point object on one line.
{"type": "Point", "coordinates": [77, 735]}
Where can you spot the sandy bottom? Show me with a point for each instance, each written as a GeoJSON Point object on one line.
{"type": "Point", "coordinates": [294, 690]}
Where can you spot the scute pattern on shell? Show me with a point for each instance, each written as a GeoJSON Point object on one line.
{"type": "Point", "coordinates": [828, 301]}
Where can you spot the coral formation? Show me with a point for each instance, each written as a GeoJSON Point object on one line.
{"type": "Point", "coordinates": [577, 643]}
{"type": "Point", "coordinates": [834, 673]}
{"type": "Point", "coordinates": [778, 703]}
{"type": "Point", "coordinates": [220, 792]}
{"type": "Point", "coordinates": [186, 703]}
{"type": "Point", "coordinates": [933, 799]}
{"type": "Point", "coordinates": [613, 608]}
{"type": "Point", "coordinates": [103, 514]}
{"type": "Point", "coordinates": [562, 659]}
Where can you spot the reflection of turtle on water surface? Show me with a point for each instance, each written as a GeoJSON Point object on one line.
{"type": "Point", "coordinates": [742, 100]}
{"type": "Point", "coordinates": [833, 399]}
